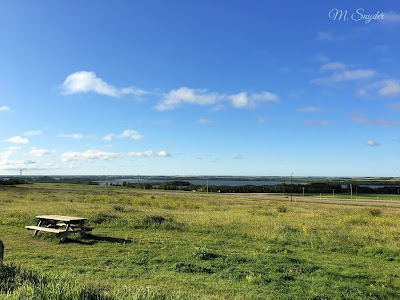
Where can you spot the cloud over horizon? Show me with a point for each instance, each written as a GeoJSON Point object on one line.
{"type": "Point", "coordinates": [99, 155]}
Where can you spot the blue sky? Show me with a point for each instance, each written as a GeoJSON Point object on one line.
{"type": "Point", "coordinates": [200, 88]}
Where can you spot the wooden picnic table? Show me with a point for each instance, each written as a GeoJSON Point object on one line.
{"type": "Point", "coordinates": [63, 225]}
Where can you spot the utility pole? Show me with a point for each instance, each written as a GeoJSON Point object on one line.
{"type": "Point", "coordinates": [207, 186]}
{"type": "Point", "coordinates": [303, 191]}
{"type": "Point", "coordinates": [333, 193]}
{"type": "Point", "coordinates": [351, 191]}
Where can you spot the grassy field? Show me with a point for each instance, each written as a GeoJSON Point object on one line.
{"type": "Point", "coordinates": [151, 245]}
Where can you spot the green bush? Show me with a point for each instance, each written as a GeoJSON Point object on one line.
{"type": "Point", "coordinates": [281, 208]}
{"type": "Point", "coordinates": [203, 253]}
{"type": "Point", "coordinates": [375, 212]}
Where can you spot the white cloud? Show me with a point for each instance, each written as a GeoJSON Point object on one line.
{"type": "Point", "coordinates": [84, 82]}
{"type": "Point", "coordinates": [14, 148]}
{"type": "Point", "coordinates": [17, 164]}
{"type": "Point", "coordinates": [40, 152]}
{"type": "Point", "coordinates": [133, 134]}
{"type": "Point", "coordinates": [371, 143]}
{"type": "Point", "coordinates": [108, 137]}
{"type": "Point", "coordinates": [391, 17]}
{"type": "Point", "coordinates": [347, 75]}
{"type": "Point", "coordinates": [129, 133]}
{"type": "Point", "coordinates": [391, 88]}
{"type": "Point", "coordinates": [240, 100]}
{"type": "Point", "coordinates": [176, 98]}
{"type": "Point", "coordinates": [357, 118]}
{"type": "Point", "coordinates": [33, 132]}
{"type": "Point", "coordinates": [243, 100]}
{"type": "Point", "coordinates": [163, 154]}
{"type": "Point", "coordinates": [186, 95]}
{"type": "Point", "coordinates": [340, 72]}
{"type": "Point", "coordinates": [18, 140]}
{"type": "Point", "coordinates": [238, 156]}
{"type": "Point", "coordinates": [308, 109]}
{"type": "Point", "coordinates": [205, 121]}
{"type": "Point", "coordinates": [383, 88]}
{"type": "Point", "coordinates": [98, 155]}
{"type": "Point", "coordinates": [324, 36]}
{"type": "Point", "coordinates": [88, 82]}
{"type": "Point", "coordinates": [5, 108]}
{"type": "Point", "coordinates": [316, 123]}
{"type": "Point", "coordinates": [333, 66]}
{"type": "Point", "coordinates": [394, 105]}
{"type": "Point", "coordinates": [76, 136]}
{"type": "Point", "coordinates": [261, 120]}
{"type": "Point", "coordinates": [133, 91]}
{"type": "Point", "coordinates": [6, 154]}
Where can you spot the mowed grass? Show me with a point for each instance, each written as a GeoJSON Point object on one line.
{"type": "Point", "coordinates": [197, 246]}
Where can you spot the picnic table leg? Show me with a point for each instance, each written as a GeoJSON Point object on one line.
{"type": "Point", "coordinates": [39, 224]}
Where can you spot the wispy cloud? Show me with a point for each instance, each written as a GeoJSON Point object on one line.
{"type": "Point", "coordinates": [371, 143]}
{"type": "Point", "coordinates": [18, 140]}
{"type": "Point", "coordinates": [238, 156]}
{"type": "Point", "coordinates": [324, 36]}
{"type": "Point", "coordinates": [316, 123]}
{"type": "Point", "coordinates": [243, 100]}
{"type": "Point", "coordinates": [358, 118]}
{"type": "Point", "coordinates": [394, 105]}
{"type": "Point", "coordinates": [40, 152]}
{"type": "Point", "coordinates": [17, 164]}
{"type": "Point", "coordinates": [185, 95]}
{"type": "Point", "coordinates": [132, 134]}
{"type": "Point", "coordinates": [346, 75]}
{"type": "Point", "coordinates": [129, 133]}
{"type": "Point", "coordinates": [6, 154]}
{"type": "Point", "coordinates": [391, 88]}
{"type": "Point", "coordinates": [332, 66]}
{"type": "Point", "coordinates": [382, 88]}
{"type": "Point", "coordinates": [390, 17]}
{"type": "Point", "coordinates": [308, 109]}
{"type": "Point", "coordinates": [76, 136]}
{"type": "Point", "coordinates": [205, 121]}
{"type": "Point", "coordinates": [33, 132]}
{"type": "Point", "coordinates": [88, 82]}
{"type": "Point", "coordinates": [5, 108]}
{"type": "Point", "coordinates": [99, 155]}
{"type": "Point", "coordinates": [261, 120]}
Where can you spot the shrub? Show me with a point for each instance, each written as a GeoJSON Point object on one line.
{"type": "Point", "coordinates": [375, 212]}
{"type": "Point", "coordinates": [203, 253]}
{"type": "Point", "coordinates": [281, 208]}
{"type": "Point", "coordinates": [119, 208]}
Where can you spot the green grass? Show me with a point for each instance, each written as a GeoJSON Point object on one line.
{"type": "Point", "coordinates": [188, 246]}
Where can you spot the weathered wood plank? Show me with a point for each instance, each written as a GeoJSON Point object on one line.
{"type": "Point", "coordinates": [39, 228]}
{"type": "Point", "coordinates": [76, 226]}
{"type": "Point", "coordinates": [61, 218]}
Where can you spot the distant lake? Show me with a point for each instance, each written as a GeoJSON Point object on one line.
{"type": "Point", "coordinates": [204, 182]}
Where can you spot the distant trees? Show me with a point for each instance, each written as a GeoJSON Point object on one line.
{"type": "Point", "coordinates": [12, 181]}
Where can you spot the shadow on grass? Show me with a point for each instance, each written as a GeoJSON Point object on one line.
{"type": "Point", "coordinates": [91, 239]}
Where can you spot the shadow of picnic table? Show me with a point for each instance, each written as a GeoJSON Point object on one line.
{"type": "Point", "coordinates": [91, 239]}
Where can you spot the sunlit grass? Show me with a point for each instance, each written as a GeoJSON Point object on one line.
{"type": "Point", "coordinates": [251, 248]}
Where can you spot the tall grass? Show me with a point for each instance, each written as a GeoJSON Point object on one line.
{"type": "Point", "coordinates": [190, 245]}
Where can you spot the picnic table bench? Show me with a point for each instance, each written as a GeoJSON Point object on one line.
{"type": "Point", "coordinates": [62, 225]}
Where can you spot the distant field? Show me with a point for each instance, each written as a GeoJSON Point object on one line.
{"type": "Point", "coordinates": [193, 245]}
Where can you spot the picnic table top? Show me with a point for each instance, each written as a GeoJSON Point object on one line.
{"type": "Point", "coordinates": [61, 218]}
